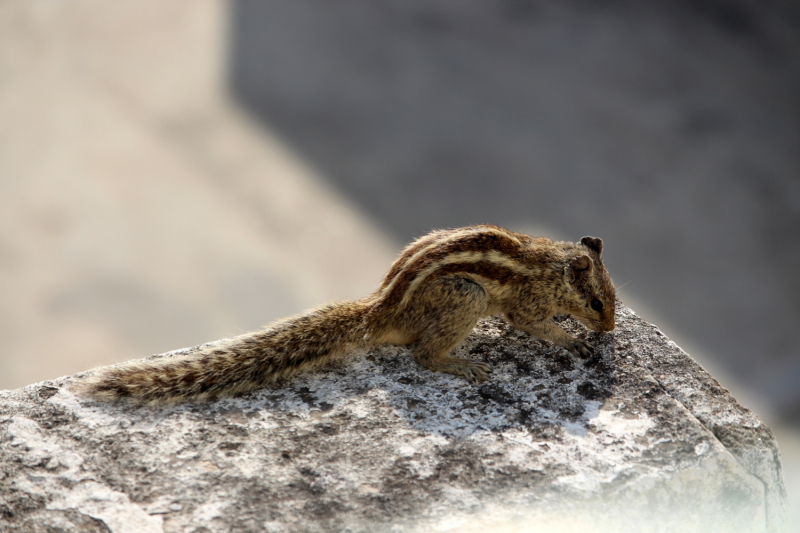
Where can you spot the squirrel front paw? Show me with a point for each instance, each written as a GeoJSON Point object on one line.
{"type": "Point", "coordinates": [581, 348]}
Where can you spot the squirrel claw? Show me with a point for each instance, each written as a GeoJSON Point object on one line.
{"type": "Point", "coordinates": [477, 372]}
{"type": "Point", "coordinates": [582, 348]}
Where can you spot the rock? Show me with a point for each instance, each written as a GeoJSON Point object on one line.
{"type": "Point", "coordinates": [636, 438]}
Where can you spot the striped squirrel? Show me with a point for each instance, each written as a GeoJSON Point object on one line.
{"type": "Point", "coordinates": [433, 296]}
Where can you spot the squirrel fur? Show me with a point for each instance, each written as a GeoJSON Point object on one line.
{"type": "Point", "coordinates": [433, 295]}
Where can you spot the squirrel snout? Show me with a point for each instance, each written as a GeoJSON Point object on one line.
{"type": "Point", "coordinates": [601, 326]}
{"type": "Point", "coordinates": [607, 325]}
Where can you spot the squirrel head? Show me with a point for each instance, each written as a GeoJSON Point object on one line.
{"type": "Point", "coordinates": [590, 295]}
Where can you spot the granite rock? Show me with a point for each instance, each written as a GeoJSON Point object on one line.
{"type": "Point", "coordinates": [636, 438]}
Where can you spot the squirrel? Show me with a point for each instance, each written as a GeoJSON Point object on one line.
{"type": "Point", "coordinates": [433, 295]}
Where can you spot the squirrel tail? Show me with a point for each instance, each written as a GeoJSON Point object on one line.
{"type": "Point", "coordinates": [239, 364]}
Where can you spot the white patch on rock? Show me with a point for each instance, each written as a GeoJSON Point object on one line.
{"type": "Point", "coordinates": [113, 508]}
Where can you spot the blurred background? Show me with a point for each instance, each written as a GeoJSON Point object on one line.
{"type": "Point", "coordinates": [177, 172]}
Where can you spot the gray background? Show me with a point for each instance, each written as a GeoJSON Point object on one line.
{"type": "Point", "coordinates": [669, 129]}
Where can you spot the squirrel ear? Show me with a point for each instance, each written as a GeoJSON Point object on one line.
{"type": "Point", "coordinates": [578, 268]}
{"type": "Point", "coordinates": [581, 265]}
{"type": "Point", "coordinates": [594, 244]}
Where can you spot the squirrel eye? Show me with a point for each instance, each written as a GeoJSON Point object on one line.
{"type": "Point", "coordinates": [597, 305]}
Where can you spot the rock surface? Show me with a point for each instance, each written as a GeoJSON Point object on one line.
{"type": "Point", "coordinates": [637, 438]}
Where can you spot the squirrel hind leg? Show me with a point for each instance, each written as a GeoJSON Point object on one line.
{"type": "Point", "coordinates": [452, 307]}
{"type": "Point", "coordinates": [472, 371]}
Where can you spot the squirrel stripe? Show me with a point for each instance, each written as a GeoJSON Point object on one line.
{"type": "Point", "coordinates": [447, 248]}
{"type": "Point", "coordinates": [442, 241]}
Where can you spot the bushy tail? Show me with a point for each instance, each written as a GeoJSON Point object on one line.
{"type": "Point", "coordinates": [239, 364]}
